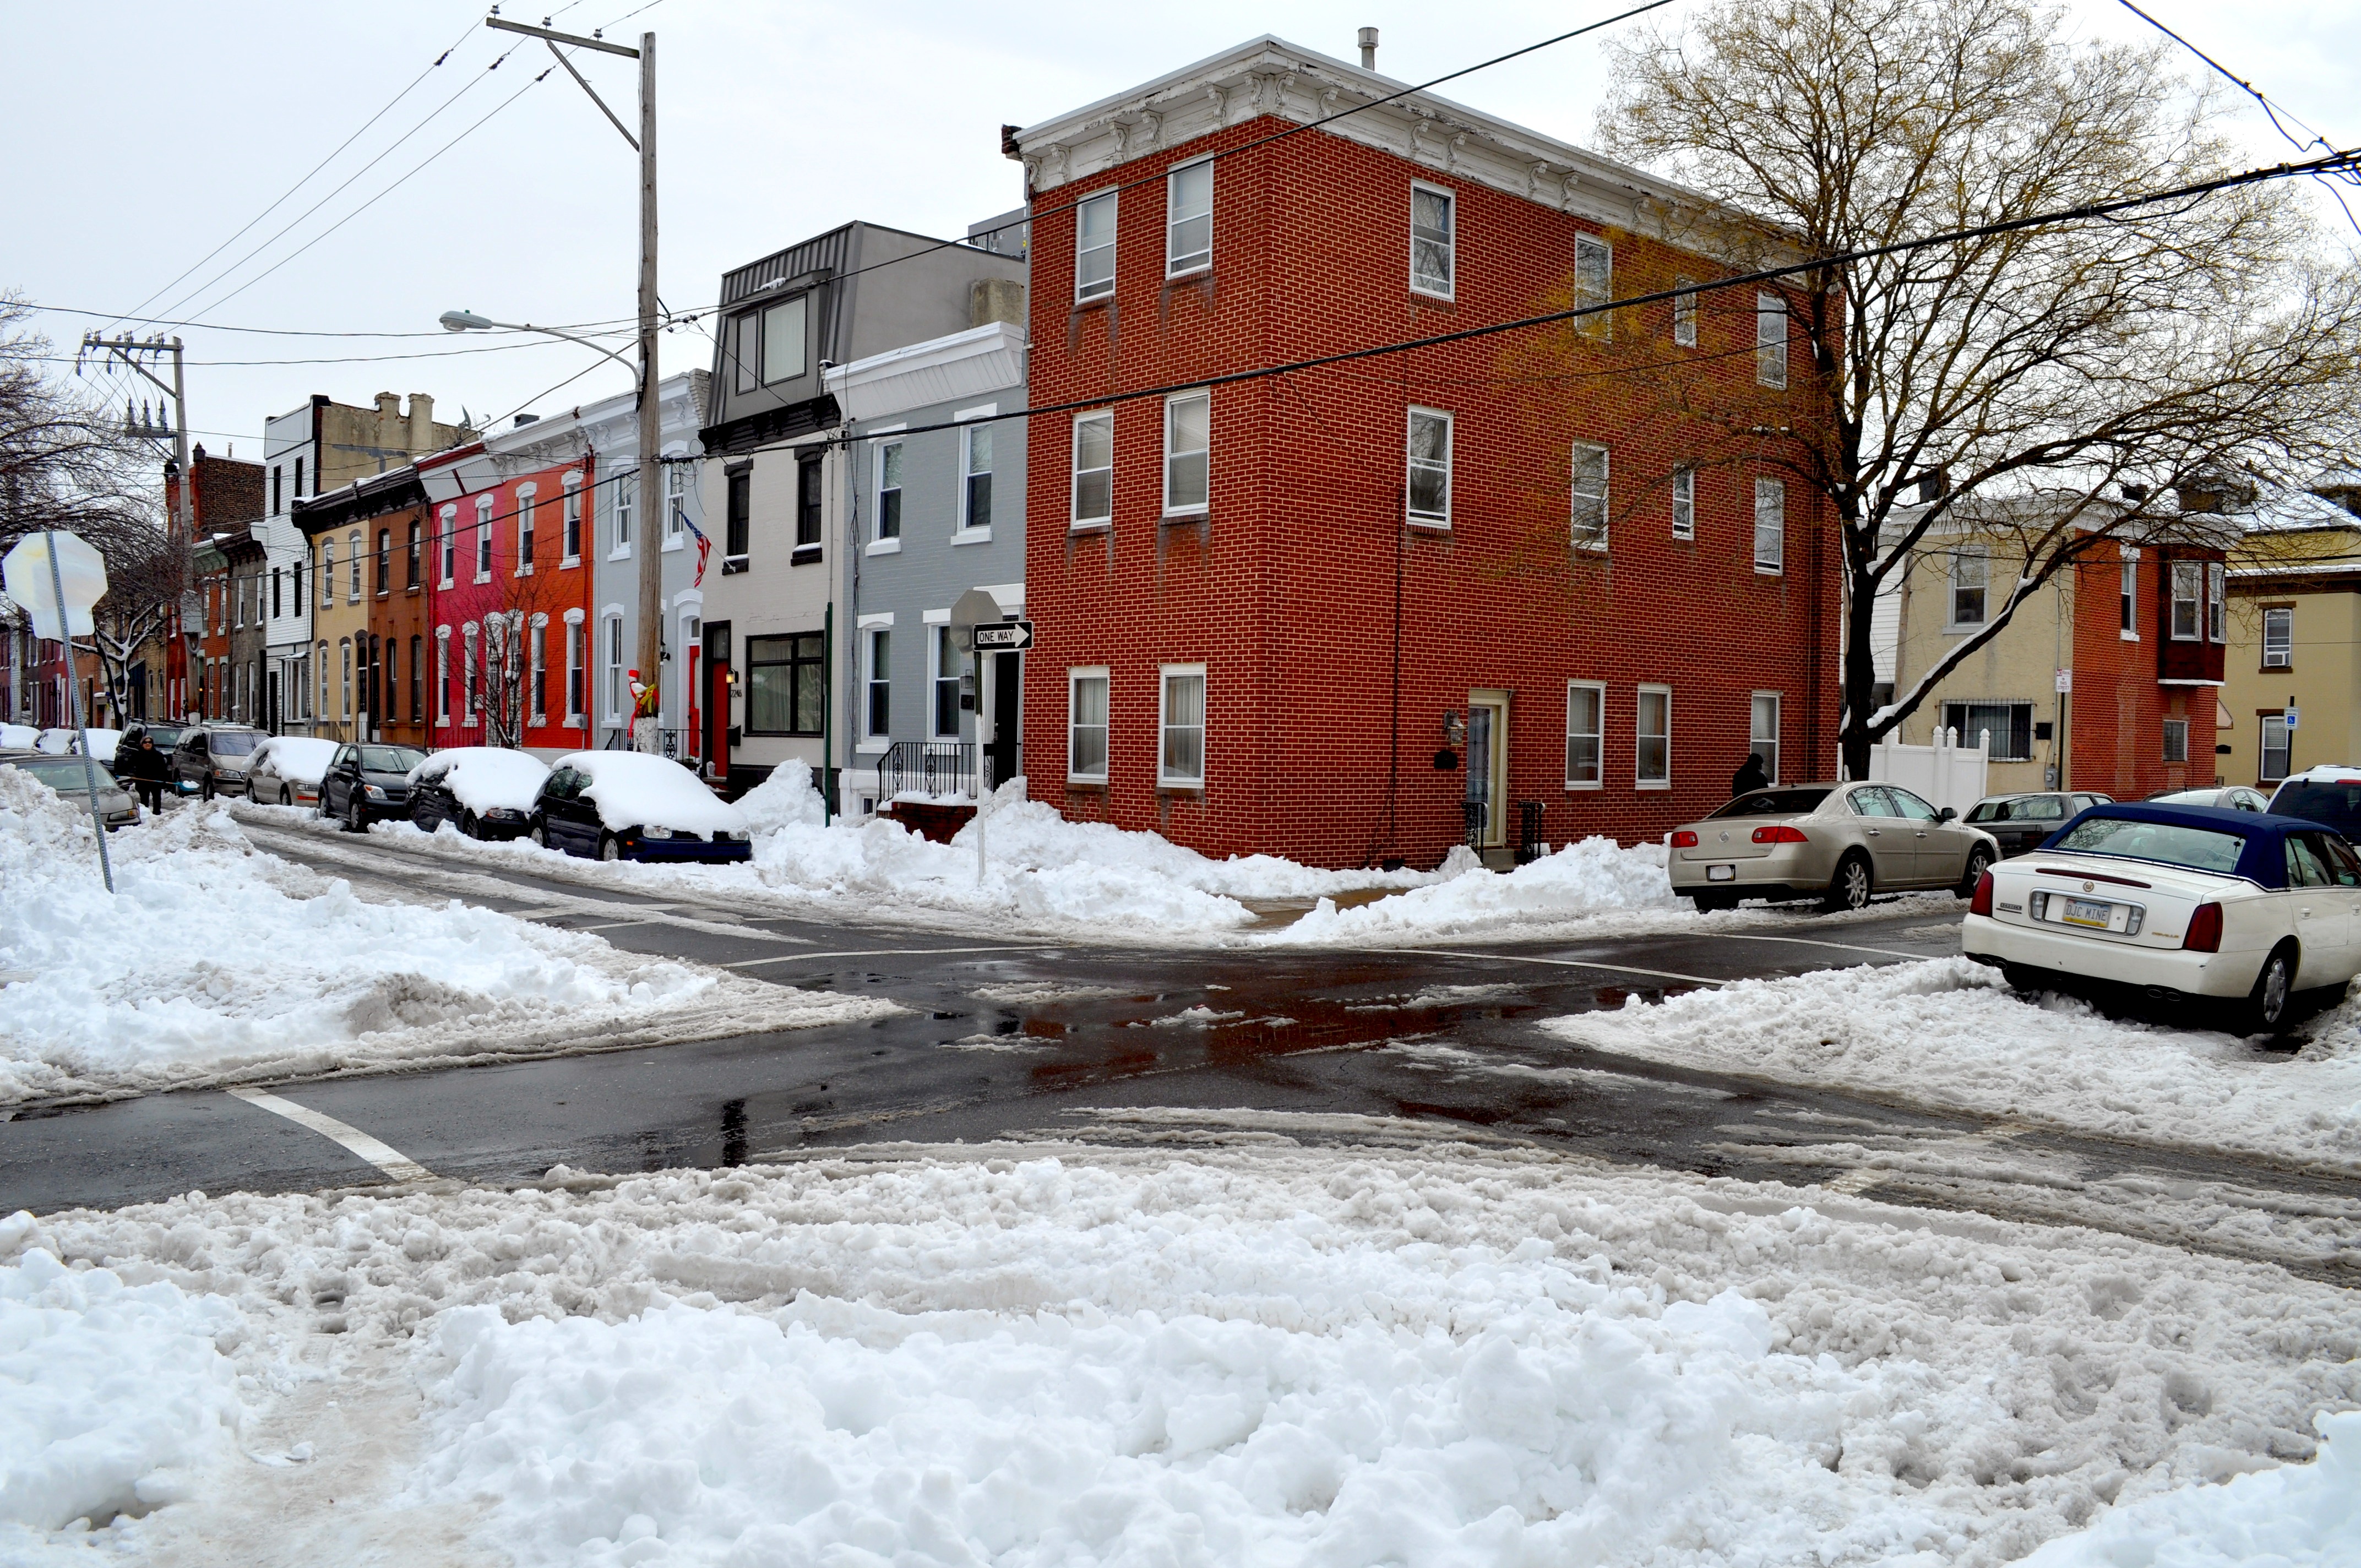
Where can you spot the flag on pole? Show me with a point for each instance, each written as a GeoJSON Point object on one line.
{"type": "Point", "coordinates": [704, 548]}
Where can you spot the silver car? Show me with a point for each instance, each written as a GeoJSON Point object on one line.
{"type": "Point", "coordinates": [64, 774]}
{"type": "Point", "coordinates": [1835, 842]}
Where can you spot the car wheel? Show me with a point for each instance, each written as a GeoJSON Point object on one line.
{"type": "Point", "coordinates": [285, 797]}
{"type": "Point", "coordinates": [1978, 862]}
{"type": "Point", "coordinates": [2024, 977]}
{"type": "Point", "coordinates": [1707, 902]}
{"type": "Point", "coordinates": [355, 818]}
{"type": "Point", "coordinates": [539, 835]}
{"type": "Point", "coordinates": [609, 847]}
{"type": "Point", "coordinates": [2271, 1001]}
{"type": "Point", "coordinates": [469, 826]}
{"type": "Point", "coordinates": [1851, 887]}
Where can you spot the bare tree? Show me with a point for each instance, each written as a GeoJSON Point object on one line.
{"type": "Point", "coordinates": [2098, 365]}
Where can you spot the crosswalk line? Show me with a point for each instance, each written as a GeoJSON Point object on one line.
{"type": "Point", "coordinates": [398, 1166]}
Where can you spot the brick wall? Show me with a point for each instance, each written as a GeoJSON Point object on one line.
{"type": "Point", "coordinates": [2116, 737]}
{"type": "Point", "coordinates": [1286, 591]}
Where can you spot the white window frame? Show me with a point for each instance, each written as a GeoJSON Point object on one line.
{"type": "Point", "coordinates": [1079, 523]}
{"type": "Point", "coordinates": [1771, 340]}
{"type": "Point", "coordinates": [1188, 509]}
{"type": "Point", "coordinates": [1955, 578]}
{"type": "Point", "coordinates": [1177, 264]}
{"type": "Point", "coordinates": [570, 545]}
{"type": "Point", "coordinates": [2282, 656]}
{"type": "Point", "coordinates": [622, 510]}
{"type": "Point", "coordinates": [2171, 725]}
{"type": "Point", "coordinates": [1096, 288]}
{"type": "Point", "coordinates": [1412, 465]}
{"type": "Point", "coordinates": [2275, 722]}
{"type": "Point", "coordinates": [326, 708]}
{"type": "Point", "coordinates": [971, 532]}
{"type": "Point", "coordinates": [537, 667]}
{"type": "Point", "coordinates": [1684, 313]}
{"type": "Point", "coordinates": [1755, 740]}
{"type": "Point", "coordinates": [1074, 678]}
{"type": "Point", "coordinates": [876, 672]}
{"type": "Point", "coordinates": [2217, 602]}
{"type": "Point", "coordinates": [881, 541]}
{"type": "Point", "coordinates": [1165, 676]}
{"type": "Point", "coordinates": [939, 643]}
{"type": "Point", "coordinates": [1596, 540]}
{"type": "Point", "coordinates": [1770, 526]}
{"type": "Point", "coordinates": [2191, 575]}
{"type": "Point", "coordinates": [353, 572]}
{"type": "Point", "coordinates": [675, 521]}
{"type": "Point", "coordinates": [345, 659]}
{"type": "Point", "coordinates": [468, 668]}
{"type": "Point", "coordinates": [327, 575]}
{"type": "Point", "coordinates": [449, 517]}
{"type": "Point", "coordinates": [1684, 501]}
{"type": "Point", "coordinates": [612, 690]}
{"type": "Point", "coordinates": [1450, 290]}
{"type": "Point", "coordinates": [527, 498]}
{"type": "Point", "coordinates": [484, 508]}
{"type": "Point", "coordinates": [1590, 248]}
{"type": "Point", "coordinates": [1597, 692]}
{"type": "Point", "coordinates": [2127, 612]}
{"type": "Point", "coordinates": [1639, 737]}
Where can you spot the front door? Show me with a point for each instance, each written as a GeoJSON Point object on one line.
{"type": "Point", "coordinates": [693, 741]}
{"type": "Point", "coordinates": [1488, 769]}
{"type": "Point", "coordinates": [1007, 689]}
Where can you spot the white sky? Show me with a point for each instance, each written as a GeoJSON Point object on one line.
{"type": "Point", "coordinates": [140, 138]}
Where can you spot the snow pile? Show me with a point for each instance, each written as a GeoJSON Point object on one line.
{"type": "Point", "coordinates": [1595, 876]}
{"type": "Point", "coordinates": [638, 789]}
{"type": "Point", "coordinates": [212, 963]}
{"type": "Point", "coordinates": [485, 778]}
{"type": "Point", "coordinates": [110, 1394]}
{"type": "Point", "coordinates": [1270, 1355]}
{"type": "Point", "coordinates": [1949, 1034]}
{"type": "Point", "coordinates": [297, 759]}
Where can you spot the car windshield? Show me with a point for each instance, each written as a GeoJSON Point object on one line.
{"type": "Point", "coordinates": [2332, 803]}
{"type": "Point", "coordinates": [2199, 849]}
{"type": "Point", "coordinates": [2032, 808]}
{"type": "Point", "coordinates": [234, 742]}
{"type": "Point", "coordinates": [390, 759]}
{"type": "Point", "coordinates": [1775, 803]}
{"type": "Point", "coordinates": [64, 772]}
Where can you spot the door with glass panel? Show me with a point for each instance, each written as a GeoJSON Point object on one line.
{"type": "Point", "coordinates": [1488, 769]}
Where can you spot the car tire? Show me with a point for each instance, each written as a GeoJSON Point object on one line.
{"type": "Point", "coordinates": [1707, 903]}
{"type": "Point", "coordinates": [286, 797]}
{"type": "Point", "coordinates": [609, 847]}
{"type": "Point", "coordinates": [1851, 886]}
{"type": "Point", "coordinates": [356, 815]}
{"type": "Point", "coordinates": [2272, 1002]}
{"type": "Point", "coordinates": [2024, 977]}
{"type": "Point", "coordinates": [469, 826]}
{"type": "Point", "coordinates": [539, 835]}
{"type": "Point", "coordinates": [1979, 861]}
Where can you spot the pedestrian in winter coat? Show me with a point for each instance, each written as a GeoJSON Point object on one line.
{"type": "Point", "coordinates": [146, 770]}
{"type": "Point", "coordinates": [1749, 776]}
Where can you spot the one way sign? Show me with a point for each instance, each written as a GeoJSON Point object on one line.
{"type": "Point", "coordinates": [1005, 636]}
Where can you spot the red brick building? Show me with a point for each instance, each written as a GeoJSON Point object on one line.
{"type": "Point", "coordinates": [1553, 581]}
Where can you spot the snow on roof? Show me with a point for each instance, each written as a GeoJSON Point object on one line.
{"type": "Point", "coordinates": [636, 789]}
{"type": "Point", "coordinates": [486, 778]}
{"type": "Point", "coordinates": [2284, 510]}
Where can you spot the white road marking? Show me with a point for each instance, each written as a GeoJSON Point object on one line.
{"type": "Point", "coordinates": [1561, 963]}
{"type": "Point", "coordinates": [1811, 942]}
{"type": "Point", "coordinates": [398, 1166]}
{"type": "Point", "coordinates": [888, 953]}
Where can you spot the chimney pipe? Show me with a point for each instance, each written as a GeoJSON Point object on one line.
{"type": "Point", "coordinates": [1368, 48]}
{"type": "Point", "coordinates": [422, 422]}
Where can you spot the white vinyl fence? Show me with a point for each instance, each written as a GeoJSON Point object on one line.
{"type": "Point", "coordinates": [1944, 774]}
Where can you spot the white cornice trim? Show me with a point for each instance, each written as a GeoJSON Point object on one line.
{"type": "Point", "coordinates": [942, 370]}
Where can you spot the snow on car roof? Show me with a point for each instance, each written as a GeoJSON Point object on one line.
{"type": "Point", "coordinates": [638, 789]}
{"type": "Point", "coordinates": [303, 758]}
{"type": "Point", "coordinates": [2328, 773]}
{"type": "Point", "coordinates": [485, 778]}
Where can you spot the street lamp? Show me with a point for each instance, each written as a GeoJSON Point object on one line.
{"type": "Point", "coordinates": [469, 321]}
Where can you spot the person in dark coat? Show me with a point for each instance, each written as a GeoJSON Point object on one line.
{"type": "Point", "coordinates": [146, 770]}
{"type": "Point", "coordinates": [1749, 776]}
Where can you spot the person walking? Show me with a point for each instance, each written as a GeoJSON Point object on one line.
{"type": "Point", "coordinates": [1751, 775]}
{"type": "Point", "coordinates": [147, 770]}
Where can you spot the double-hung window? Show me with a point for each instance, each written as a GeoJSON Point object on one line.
{"type": "Point", "coordinates": [1762, 733]}
{"type": "Point", "coordinates": [1188, 439]}
{"type": "Point", "coordinates": [626, 503]}
{"type": "Point", "coordinates": [1771, 340]}
{"type": "Point", "coordinates": [1770, 526]}
{"type": "Point", "coordinates": [889, 489]}
{"type": "Point", "coordinates": [878, 709]}
{"type": "Point", "coordinates": [524, 503]}
{"type": "Point", "coordinates": [1588, 490]}
{"type": "Point", "coordinates": [1189, 219]}
{"type": "Point", "coordinates": [783, 339]}
{"type": "Point", "coordinates": [1684, 313]}
{"type": "Point", "coordinates": [2216, 608]}
{"type": "Point", "coordinates": [539, 649]}
{"type": "Point", "coordinates": [1434, 240]}
{"type": "Point", "coordinates": [1653, 753]}
{"type": "Point", "coordinates": [577, 672]}
{"type": "Point", "coordinates": [449, 526]}
{"type": "Point", "coordinates": [2278, 760]}
{"type": "Point", "coordinates": [1593, 284]}
{"type": "Point", "coordinates": [2175, 739]}
{"type": "Point", "coordinates": [1585, 713]}
{"type": "Point", "coordinates": [1685, 502]}
{"type": "Point", "coordinates": [1430, 468]}
{"type": "Point", "coordinates": [738, 520]}
{"type": "Point", "coordinates": [573, 519]}
{"type": "Point", "coordinates": [1093, 469]}
{"type": "Point", "coordinates": [353, 565]}
{"type": "Point", "coordinates": [975, 476]}
{"type": "Point", "coordinates": [675, 505]}
{"type": "Point", "coordinates": [1969, 571]}
{"type": "Point", "coordinates": [2279, 637]}
{"type": "Point", "coordinates": [1086, 724]}
{"type": "Point", "coordinates": [618, 698]}
{"type": "Point", "coordinates": [468, 668]}
{"type": "Point", "coordinates": [483, 539]}
{"type": "Point", "coordinates": [943, 659]}
{"type": "Point", "coordinates": [412, 561]}
{"type": "Point", "coordinates": [1182, 757]}
{"type": "Point", "coordinates": [2130, 594]}
{"type": "Point", "coordinates": [807, 498]}
{"type": "Point", "coordinates": [417, 680]}
{"type": "Point", "coordinates": [1094, 248]}
{"type": "Point", "coordinates": [384, 561]}
{"type": "Point", "coordinates": [2188, 595]}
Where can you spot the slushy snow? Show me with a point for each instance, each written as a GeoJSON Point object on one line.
{"type": "Point", "coordinates": [1428, 1354]}
{"type": "Point", "coordinates": [212, 963]}
{"type": "Point", "coordinates": [1949, 1034]}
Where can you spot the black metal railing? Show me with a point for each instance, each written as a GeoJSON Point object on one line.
{"type": "Point", "coordinates": [932, 767]}
{"type": "Point", "coordinates": [1529, 831]}
{"type": "Point", "coordinates": [1474, 813]}
{"type": "Point", "coordinates": [672, 743]}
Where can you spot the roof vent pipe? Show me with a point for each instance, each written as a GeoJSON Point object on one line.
{"type": "Point", "coordinates": [1368, 48]}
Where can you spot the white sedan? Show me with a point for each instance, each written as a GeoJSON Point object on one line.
{"type": "Point", "coordinates": [2195, 901]}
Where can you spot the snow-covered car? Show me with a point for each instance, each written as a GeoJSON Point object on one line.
{"type": "Point", "coordinates": [103, 743]}
{"type": "Point", "coordinates": [64, 774]}
{"type": "Point", "coordinates": [486, 792]}
{"type": "Point", "coordinates": [56, 741]}
{"type": "Point", "coordinates": [287, 770]}
{"type": "Point", "coordinates": [19, 737]}
{"type": "Point", "coordinates": [2239, 907]}
{"type": "Point", "coordinates": [632, 805]}
{"type": "Point", "coordinates": [1836, 842]}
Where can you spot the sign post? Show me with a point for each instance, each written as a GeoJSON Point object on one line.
{"type": "Point", "coordinates": [978, 629]}
{"type": "Point", "coordinates": [75, 575]}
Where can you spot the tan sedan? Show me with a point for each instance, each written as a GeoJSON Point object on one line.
{"type": "Point", "coordinates": [1835, 842]}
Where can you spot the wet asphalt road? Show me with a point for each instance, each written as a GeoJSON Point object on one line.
{"type": "Point", "coordinates": [1004, 1039]}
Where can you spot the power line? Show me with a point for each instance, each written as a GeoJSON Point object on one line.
{"type": "Point", "coordinates": [620, 323]}
{"type": "Point", "coordinates": [534, 342]}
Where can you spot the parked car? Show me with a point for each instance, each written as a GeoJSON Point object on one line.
{"type": "Point", "coordinates": [368, 783]}
{"type": "Point", "coordinates": [212, 759]}
{"type": "Point", "coordinates": [103, 743]}
{"type": "Point", "coordinates": [486, 792]}
{"type": "Point", "coordinates": [19, 737]}
{"type": "Point", "coordinates": [2019, 822]}
{"type": "Point", "coordinates": [2329, 795]}
{"type": "Point", "coordinates": [630, 806]}
{"type": "Point", "coordinates": [1836, 842]}
{"type": "Point", "coordinates": [287, 770]}
{"type": "Point", "coordinates": [55, 740]}
{"type": "Point", "coordinates": [168, 740]}
{"type": "Point", "coordinates": [2236, 797]}
{"type": "Point", "coordinates": [64, 774]}
{"type": "Point", "coordinates": [2246, 908]}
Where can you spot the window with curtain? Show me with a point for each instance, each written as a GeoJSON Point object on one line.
{"type": "Point", "coordinates": [1653, 757]}
{"type": "Point", "coordinates": [1093, 469]}
{"type": "Point", "coordinates": [1086, 724]}
{"type": "Point", "coordinates": [1189, 219]}
{"type": "Point", "coordinates": [1429, 476]}
{"type": "Point", "coordinates": [1585, 712]}
{"type": "Point", "coordinates": [1188, 440]}
{"type": "Point", "coordinates": [1182, 755]}
{"type": "Point", "coordinates": [975, 494]}
{"type": "Point", "coordinates": [1094, 248]}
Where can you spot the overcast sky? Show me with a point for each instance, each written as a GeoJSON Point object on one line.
{"type": "Point", "coordinates": [140, 138]}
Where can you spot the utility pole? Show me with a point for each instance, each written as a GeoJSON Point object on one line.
{"type": "Point", "coordinates": [647, 549]}
{"type": "Point", "coordinates": [131, 352]}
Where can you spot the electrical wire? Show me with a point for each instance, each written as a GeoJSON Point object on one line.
{"type": "Point", "coordinates": [523, 341]}
{"type": "Point", "coordinates": [602, 326]}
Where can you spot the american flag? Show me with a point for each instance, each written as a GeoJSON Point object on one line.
{"type": "Point", "coordinates": [704, 548]}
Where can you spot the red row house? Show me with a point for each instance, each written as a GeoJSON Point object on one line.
{"type": "Point", "coordinates": [202, 663]}
{"type": "Point", "coordinates": [1521, 587]}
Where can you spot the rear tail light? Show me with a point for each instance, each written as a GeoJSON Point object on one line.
{"type": "Point", "coordinates": [1982, 903]}
{"type": "Point", "coordinates": [2204, 929]}
{"type": "Point", "coordinates": [1685, 840]}
{"type": "Point", "coordinates": [1782, 834]}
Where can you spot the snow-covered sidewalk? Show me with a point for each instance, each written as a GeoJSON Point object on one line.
{"type": "Point", "coordinates": [215, 963]}
{"type": "Point", "coordinates": [1410, 1350]}
{"type": "Point", "coordinates": [1949, 1035]}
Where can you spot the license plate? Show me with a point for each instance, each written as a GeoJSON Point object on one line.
{"type": "Point", "coordinates": [2088, 912]}
{"type": "Point", "coordinates": [1721, 873]}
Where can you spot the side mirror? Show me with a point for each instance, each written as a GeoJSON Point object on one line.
{"type": "Point", "coordinates": [1947, 815]}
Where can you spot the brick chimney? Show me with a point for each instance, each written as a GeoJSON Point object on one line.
{"type": "Point", "coordinates": [421, 424]}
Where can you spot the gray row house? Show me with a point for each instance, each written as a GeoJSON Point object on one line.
{"type": "Point", "coordinates": [780, 623]}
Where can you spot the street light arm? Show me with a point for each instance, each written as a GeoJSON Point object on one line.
{"type": "Point", "coordinates": [460, 321]}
